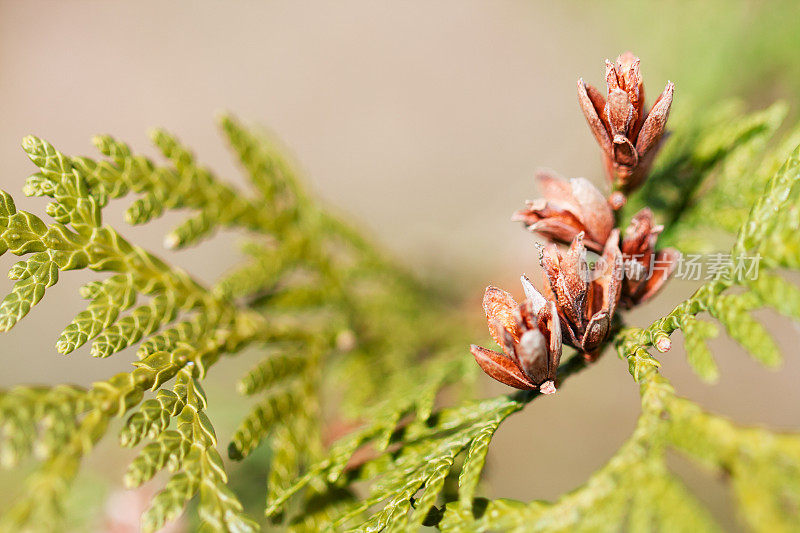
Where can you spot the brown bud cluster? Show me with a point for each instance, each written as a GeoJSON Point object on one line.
{"type": "Point", "coordinates": [585, 298]}
{"type": "Point", "coordinates": [629, 137]}
{"type": "Point", "coordinates": [646, 269]}
{"type": "Point", "coordinates": [530, 336]}
{"type": "Point", "coordinates": [580, 296]}
{"type": "Point", "coordinates": [568, 208]}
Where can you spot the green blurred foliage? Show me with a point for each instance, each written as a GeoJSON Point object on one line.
{"type": "Point", "coordinates": [713, 49]}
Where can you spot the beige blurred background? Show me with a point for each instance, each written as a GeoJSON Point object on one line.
{"type": "Point", "coordinates": [424, 124]}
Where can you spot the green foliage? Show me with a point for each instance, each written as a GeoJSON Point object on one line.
{"type": "Point", "coordinates": [37, 418]}
{"type": "Point", "coordinates": [306, 295]}
{"type": "Point", "coordinates": [768, 233]}
{"type": "Point", "coordinates": [190, 451]}
{"type": "Point", "coordinates": [410, 452]}
{"type": "Point", "coordinates": [77, 239]}
{"type": "Point", "coordinates": [345, 338]}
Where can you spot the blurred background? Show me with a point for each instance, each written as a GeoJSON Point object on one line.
{"type": "Point", "coordinates": [424, 125]}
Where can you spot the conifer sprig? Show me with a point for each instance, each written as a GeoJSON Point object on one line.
{"type": "Point", "coordinates": [308, 296]}
{"type": "Point", "coordinates": [184, 327]}
{"type": "Point", "coordinates": [325, 309]}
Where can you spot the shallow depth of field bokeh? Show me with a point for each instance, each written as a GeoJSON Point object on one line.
{"type": "Point", "coordinates": [424, 123]}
